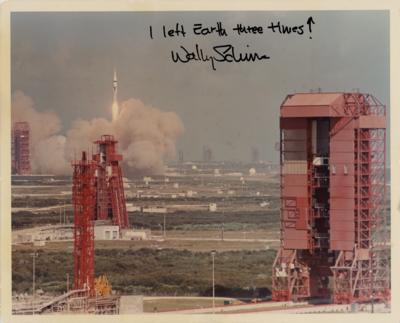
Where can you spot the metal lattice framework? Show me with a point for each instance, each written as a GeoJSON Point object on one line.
{"type": "Point", "coordinates": [110, 197]}
{"type": "Point", "coordinates": [20, 148]}
{"type": "Point", "coordinates": [291, 277]}
{"type": "Point", "coordinates": [364, 274]}
{"type": "Point", "coordinates": [83, 198]}
{"type": "Point", "coordinates": [334, 228]}
{"type": "Point", "coordinates": [97, 194]}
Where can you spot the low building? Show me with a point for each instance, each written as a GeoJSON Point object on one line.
{"type": "Point", "coordinates": [135, 235]}
{"type": "Point", "coordinates": [212, 207]}
{"type": "Point", "coordinates": [155, 210]}
{"type": "Point", "coordinates": [132, 208]}
{"type": "Point", "coordinates": [106, 232]}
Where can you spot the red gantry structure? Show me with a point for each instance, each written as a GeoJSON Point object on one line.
{"type": "Point", "coordinates": [20, 141]}
{"type": "Point", "coordinates": [84, 201]}
{"type": "Point", "coordinates": [334, 239]}
{"type": "Point", "coordinates": [97, 194]}
{"type": "Point", "coordinates": [110, 197]}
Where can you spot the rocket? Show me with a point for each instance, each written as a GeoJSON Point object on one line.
{"type": "Point", "coordinates": [115, 86]}
{"type": "Point", "coordinates": [114, 108]}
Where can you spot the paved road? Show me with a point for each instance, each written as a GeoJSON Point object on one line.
{"type": "Point", "coordinates": [243, 308]}
{"type": "Point", "coordinates": [216, 239]}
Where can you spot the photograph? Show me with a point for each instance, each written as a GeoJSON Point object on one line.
{"type": "Point", "coordinates": [200, 162]}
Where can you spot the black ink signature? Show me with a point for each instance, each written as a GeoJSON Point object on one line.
{"type": "Point", "coordinates": [221, 53]}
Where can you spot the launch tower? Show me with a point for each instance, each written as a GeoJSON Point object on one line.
{"type": "Point", "coordinates": [334, 240]}
{"type": "Point", "coordinates": [110, 198]}
{"type": "Point", "coordinates": [84, 199]}
{"type": "Point", "coordinates": [20, 141]}
{"type": "Point", "coordinates": [97, 194]}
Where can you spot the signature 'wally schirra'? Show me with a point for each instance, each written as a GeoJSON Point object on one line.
{"type": "Point", "coordinates": [221, 53]}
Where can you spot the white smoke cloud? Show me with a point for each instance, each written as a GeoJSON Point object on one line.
{"type": "Point", "coordinates": [43, 124]}
{"type": "Point", "coordinates": [49, 156]}
{"type": "Point", "coordinates": [146, 136]}
{"type": "Point", "coordinates": [47, 148]}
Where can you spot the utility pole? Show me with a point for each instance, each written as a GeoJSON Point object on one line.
{"type": "Point", "coordinates": [67, 292]}
{"type": "Point", "coordinates": [223, 220]}
{"type": "Point", "coordinates": [213, 252]}
{"type": "Point", "coordinates": [34, 255]}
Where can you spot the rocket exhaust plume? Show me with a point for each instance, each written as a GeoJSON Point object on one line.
{"type": "Point", "coordinates": [115, 108]}
{"type": "Point", "coordinates": [146, 136]}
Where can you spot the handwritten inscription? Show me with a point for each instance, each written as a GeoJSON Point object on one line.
{"type": "Point", "coordinates": [225, 52]}
{"type": "Point", "coordinates": [221, 53]}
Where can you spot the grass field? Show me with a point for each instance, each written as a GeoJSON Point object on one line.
{"type": "Point", "coordinates": [180, 220]}
{"type": "Point", "coordinates": [150, 271]}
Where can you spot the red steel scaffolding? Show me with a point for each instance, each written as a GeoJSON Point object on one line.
{"type": "Point", "coordinates": [97, 194]}
{"type": "Point", "coordinates": [333, 216]}
{"type": "Point", "coordinates": [83, 199]}
{"type": "Point", "coordinates": [110, 197]}
{"type": "Point", "coordinates": [20, 141]}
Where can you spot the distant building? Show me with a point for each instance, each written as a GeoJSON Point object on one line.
{"type": "Point", "coordinates": [155, 210]}
{"type": "Point", "coordinates": [135, 235]}
{"type": "Point", "coordinates": [212, 207]}
{"type": "Point", "coordinates": [20, 149]}
{"type": "Point", "coordinates": [190, 193]}
{"type": "Point", "coordinates": [106, 232]}
{"type": "Point", "coordinates": [132, 208]}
